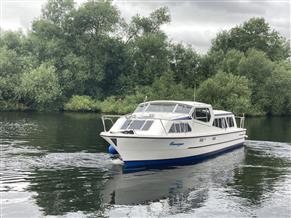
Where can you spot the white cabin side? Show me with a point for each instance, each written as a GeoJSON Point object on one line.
{"type": "Point", "coordinates": [174, 118]}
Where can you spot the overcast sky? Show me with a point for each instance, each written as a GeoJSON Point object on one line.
{"type": "Point", "coordinates": [194, 22]}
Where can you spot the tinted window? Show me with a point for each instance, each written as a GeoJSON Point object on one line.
{"type": "Point", "coordinates": [223, 123]}
{"type": "Point", "coordinates": [215, 122]}
{"type": "Point", "coordinates": [220, 123]}
{"type": "Point", "coordinates": [188, 128]}
{"type": "Point", "coordinates": [172, 129]}
{"type": "Point", "coordinates": [136, 124]}
{"type": "Point", "coordinates": [177, 127]}
{"type": "Point", "coordinates": [140, 108]}
{"type": "Point", "coordinates": [183, 109]}
{"type": "Point", "coordinates": [147, 125]}
{"type": "Point", "coordinates": [160, 108]}
{"type": "Point", "coordinates": [126, 124]}
{"type": "Point", "coordinates": [202, 114]}
{"type": "Point", "coordinates": [180, 128]}
{"type": "Point", "coordinates": [230, 122]}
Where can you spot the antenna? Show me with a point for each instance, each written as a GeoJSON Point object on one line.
{"type": "Point", "coordinates": [194, 92]}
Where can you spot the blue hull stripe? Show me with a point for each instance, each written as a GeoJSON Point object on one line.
{"type": "Point", "coordinates": [179, 161]}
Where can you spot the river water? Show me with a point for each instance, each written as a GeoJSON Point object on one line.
{"type": "Point", "coordinates": [56, 165]}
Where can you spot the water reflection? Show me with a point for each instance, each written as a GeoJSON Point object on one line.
{"type": "Point", "coordinates": [181, 189]}
{"type": "Point", "coordinates": [265, 165]}
{"type": "Point", "coordinates": [69, 190]}
{"type": "Point", "coordinates": [276, 129]}
{"type": "Point", "coordinates": [55, 132]}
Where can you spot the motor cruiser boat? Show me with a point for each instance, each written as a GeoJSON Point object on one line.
{"type": "Point", "coordinates": [172, 133]}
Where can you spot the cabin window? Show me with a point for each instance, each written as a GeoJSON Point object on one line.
{"type": "Point", "coordinates": [137, 124]}
{"type": "Point", "coordinates": [230, 122]}
{"type": "Point", "coordinates": [160, 108]}
{"type": "Point", "coordinates": [180, 128]}
{"type": "Point", "coordinates": [215, 122]}
{"type": "Point", "coordinates": [223, 122]}
{"type": "Point", "coordinates": [183, 109]}
{"type": "Point", "coordinates": [202, 114]}
{"type": "Point", "coordinates": [220, 123]}
{"type": "Point", "coordinates": [125, 124]}
{"type": "Point", "coordinates": [140, 108]}
{"type": "Point", "coordinates": [177, 127]}
{"type": "Point", "coordinates": [147, 125]}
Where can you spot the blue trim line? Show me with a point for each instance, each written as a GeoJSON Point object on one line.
{"type": "Point", "coordinates": [178, 161]}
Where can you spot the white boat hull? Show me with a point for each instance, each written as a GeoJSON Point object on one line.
{"type": "Point", "coordinates": [145, 151]}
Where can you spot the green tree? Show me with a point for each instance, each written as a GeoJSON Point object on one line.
{"type": "Point", "coordinates": [146, 50]}
{"type": "Point", "coordinates": [91, 53]}
{"type": "Point", "coordinates": [92, 20]}
{"type": "Point", "coordinates": [254, 33]}
{"type": "Point", "coordinates": [73, 75]}
{"type": "Point", "coordinates": [90, 31]}
{"type": "Point", "coordinates": [231, 61]}
{"type": "Point", "coordinates": [210, 64]}
{"type": "Point", "coordinates": [184, 62]}
{"type": "Point", "coordinates": [149, 58]}
{"type": "Point", "coordinates": [276, 92]}
{"type": "Point", "coordinates": [12, 41]}
{"type": "Point", "coordinates": [139, 26]}
{"type": "Point", "coordinates": [226, 91]}
{"type": "Point", "coordinates": [257, 68]}
{"type": "Point", "coordinates": [40, 88]}
{"type": "Point", "coordinates": [11, 69]}
{"type": "Point", "coordinates": [166, 88]}
{"type": "Point", "coordinates": [55, 11]}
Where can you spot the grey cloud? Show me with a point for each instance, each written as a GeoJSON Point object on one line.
{"type": "Point", "coordinates": [232, 7]}
{"type": "Point", "coordinates": [21, 14]}
{"type": "Point", "coordinates": [193, 22]}
{"type": "Point", "coordinates": [211, 16]}
{"type": "Point", "coordinates": [199, 40]}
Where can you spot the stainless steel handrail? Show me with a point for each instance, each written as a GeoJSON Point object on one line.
{"type": "Point", "coordinates": [241, 121]}
{"type": "Point", "coordinates": [108, 117]}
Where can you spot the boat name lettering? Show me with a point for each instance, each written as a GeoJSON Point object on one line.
{"type": "Point", "coordinates": [176, 144]}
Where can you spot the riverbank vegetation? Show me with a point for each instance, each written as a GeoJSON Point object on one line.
{"type": "Point", "coordinates": [88, 58]}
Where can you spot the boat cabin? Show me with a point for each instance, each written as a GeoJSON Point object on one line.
{"type": "Point", "coordinates": [171, 117]}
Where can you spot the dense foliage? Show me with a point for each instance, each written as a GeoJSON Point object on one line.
{"type": "Point", "coordinates": [88, 58]}
{"type": "Point", "coordinates": [226, 84]}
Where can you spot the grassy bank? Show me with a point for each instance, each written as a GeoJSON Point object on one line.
{"type": "Point", "coordinates": [13, 106]}
{"type": "Point", "coordinates": [112, 105]}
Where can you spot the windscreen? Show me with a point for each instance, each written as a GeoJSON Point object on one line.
{"type": "Point", "coordinates": [161, 108]}
{"type": "Point", "coordinates": [183, 109]}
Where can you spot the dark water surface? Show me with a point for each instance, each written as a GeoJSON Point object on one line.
{"type": "Point", "coordinates": [56, 165]}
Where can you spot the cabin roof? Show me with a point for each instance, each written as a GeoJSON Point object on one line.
{"type": "Point", "coordinates": [191, 103]}
{"type": "Point", "coordinates": [221, 112]}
